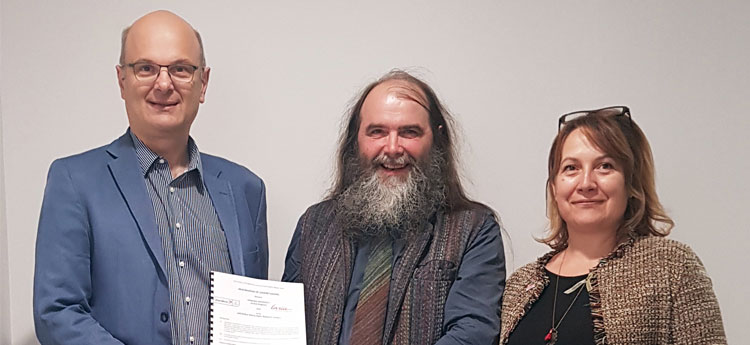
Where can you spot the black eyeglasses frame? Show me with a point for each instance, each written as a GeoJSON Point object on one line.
{"type": "Point", "coordinates": [623, 111]}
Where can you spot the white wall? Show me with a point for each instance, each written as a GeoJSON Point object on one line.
{"type": "Point", "coordinates": [4, 277]}
{"type": "Point", "coordinates": [4, 264]}
{"type": "Point", "coordinates": [283, 72]}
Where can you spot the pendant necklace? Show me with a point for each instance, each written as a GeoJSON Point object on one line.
{"type": "Point", "coordinates": [551, 337]}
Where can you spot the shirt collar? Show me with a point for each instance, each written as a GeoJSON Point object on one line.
{"type": "Point", "coordinates": [147, 158]}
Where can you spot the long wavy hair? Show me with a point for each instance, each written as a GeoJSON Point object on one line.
{"type": "Point", "coordinates": [441, 124]}
{"type": "Point", "coordinates": [622, 139]}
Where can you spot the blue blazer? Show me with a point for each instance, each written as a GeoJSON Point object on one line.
{"type": "Point", "coordinates": [99, 276]}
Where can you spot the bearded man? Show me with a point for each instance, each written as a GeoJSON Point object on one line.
{"type": "Point", "coordinates": [397, 253]}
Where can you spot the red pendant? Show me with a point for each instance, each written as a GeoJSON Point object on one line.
{"type": "Point", "coordinates": [551, 337]}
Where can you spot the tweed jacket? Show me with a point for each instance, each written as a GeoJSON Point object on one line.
{"type": "Point", "coordinates": [649, 290]}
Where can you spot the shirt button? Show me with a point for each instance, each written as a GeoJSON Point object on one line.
{"type": "Point", "coordinates": [177, 225]}
{"type": "Point", "coordinates": [164, 317]}
{"type": "Point", "coordinates": [171, 189]}
{"type": "Point", "coordinates": [161, 160]}
{"type": "Point", "coordinates": [182, 263]}
{"type": "Point", "coordinates": [187, 299]}
{"type": "Point", "coordinates": [192, 339]}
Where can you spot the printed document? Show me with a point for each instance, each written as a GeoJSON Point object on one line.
{"type": "Point", "coordinates": [254, 311]}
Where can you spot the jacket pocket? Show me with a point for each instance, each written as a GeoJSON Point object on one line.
{"type": "Point", "coordinates": [436, 270]}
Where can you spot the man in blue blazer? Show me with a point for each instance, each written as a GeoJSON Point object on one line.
{"type": "Point", "coordinates": [129, 232]}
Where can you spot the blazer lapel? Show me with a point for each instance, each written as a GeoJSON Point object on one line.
{"type": "Point", "coordinates": [402, 273]}
{"type": "Point", "coordinates": [128, 177]}
{"type": "Point", "coordinates": [221, 195]}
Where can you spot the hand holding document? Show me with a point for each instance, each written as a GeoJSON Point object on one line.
{"type": "Point", "coordinates": [254, 311]}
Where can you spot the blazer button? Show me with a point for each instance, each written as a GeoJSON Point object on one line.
{"type": "Point", "coordinates": [164, 317]}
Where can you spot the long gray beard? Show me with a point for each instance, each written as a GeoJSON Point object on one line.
{"type": "Point", "coordinates": [372, 207]}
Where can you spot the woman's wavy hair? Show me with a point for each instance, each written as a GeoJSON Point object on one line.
{"type": "Point", "coordinates": [619, 137]}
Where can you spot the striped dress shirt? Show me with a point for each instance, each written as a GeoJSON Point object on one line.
{"type": "Point", "coordinates": [191, 237]}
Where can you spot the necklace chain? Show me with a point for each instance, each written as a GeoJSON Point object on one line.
{"type": "Point", "coordinates": [551, 337]}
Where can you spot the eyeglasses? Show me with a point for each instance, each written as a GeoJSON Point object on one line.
{"type": "Point", "coordinates": [149, 71]}
{"type": "Point", "coordinates": [620, 110]}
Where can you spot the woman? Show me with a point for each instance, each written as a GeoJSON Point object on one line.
{"type": "Point", "coordinates": [612, 277]}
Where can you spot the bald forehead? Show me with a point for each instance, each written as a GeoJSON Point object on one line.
{"type": "Point", "coordinates": [400, 90]}
{"type": "Point", "coordinates": [162, 29]}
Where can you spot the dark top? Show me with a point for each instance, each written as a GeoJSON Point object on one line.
{"type": "Point", "coordinates": [575, 329]}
